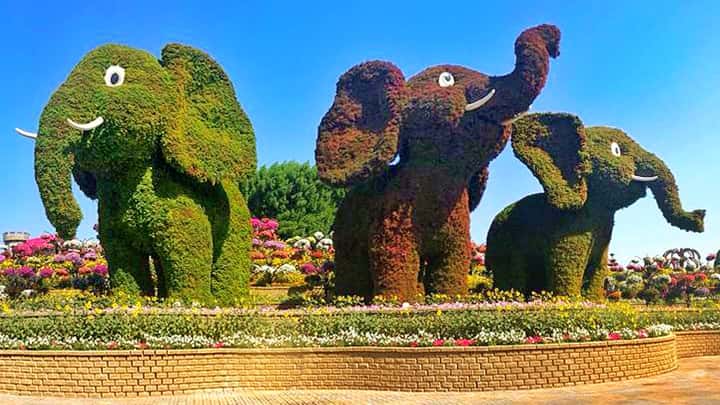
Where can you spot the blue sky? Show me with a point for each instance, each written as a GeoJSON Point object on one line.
{"type": "Point", "coordinates": [648, 67]}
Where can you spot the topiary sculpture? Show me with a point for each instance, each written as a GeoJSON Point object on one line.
{"type": "Point", "coordinates": [558, 240]}
{"type": "Point", "coordinates": [403, 229]}
{"type": "Point", "coordinates": [161, 144]}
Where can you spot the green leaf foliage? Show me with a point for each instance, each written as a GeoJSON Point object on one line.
{"type": "Point", "coordinates": [292, 193]}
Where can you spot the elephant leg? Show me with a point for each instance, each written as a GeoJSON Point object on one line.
{"type": "Point", "coordinates": [352, 261]}
{"type": "Point", "coordinates": [232, 239]}
{"type": "Point", "coordinates": [448, 267]}
{"type": "Point", "coordinates": [597, 268]}
{"type": "Point", "coordinates": [130, 267]}
{"type": "Point", "coordinates": [567, 259]}
{"type": "Point", "coordinates": [394, 256]}
{"type": "Point", "coordinates": [183, 242]}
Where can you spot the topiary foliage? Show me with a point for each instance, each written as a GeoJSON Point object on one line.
{"type": "Point", "coordinates": [403, 230]}
{"type": "Point", "coordinates": [292, 193]}
{"type": "Point", "coordinates": [558, 240]}
{"type": "Point", "coordinates": [164, 165]}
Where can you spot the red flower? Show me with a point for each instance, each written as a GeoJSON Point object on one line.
{"type": "Point", "coordinates": [317, 254]}
{"type": "Point", "coordinates": [534, 339]}
{"type": "Point", "coordinates": [255, 255]}
{"type": "Point", "coordinates": [414, 344]}
{"type": "Point", "coordinates": [281, 254]}
{"type": "Point", "coordinates": [218, 345]}
{"type": "Point", "coordinates": [464, 342]}
{"type": "Point", "coordinates": [438, 342]}
{"type": "Point", "coordinates": [614, 336]}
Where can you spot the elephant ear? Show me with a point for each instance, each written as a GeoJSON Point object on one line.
{"type": "Point", "coordinates": [212, 138]}
{"type": "Point", "coordinates": [554, 148]}
{"type": "Point", "coordinates": [358, 136]}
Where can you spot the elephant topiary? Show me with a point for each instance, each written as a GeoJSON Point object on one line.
{"type": "Point", "coordinates": [162, 145]}
{"type": "Point", "coordinates": [403, 229]}
{"type": "Point", "coordinates": [558, 240]}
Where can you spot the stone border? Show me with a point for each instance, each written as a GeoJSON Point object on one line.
{"type": "Point", "coordinates": [698, 343]}
{"type": "Point", "coordinates": [130, 373]}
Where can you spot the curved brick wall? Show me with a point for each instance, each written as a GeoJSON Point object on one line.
{"type": "Point", "coordinates": [698, 343]}
{"type": "Point", "coordinates": [167, 372]}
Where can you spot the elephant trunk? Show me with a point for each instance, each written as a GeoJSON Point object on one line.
{"type": "Point", "coordinates": [667, 197]}
{"type": "Point", "coordinates": [54, 164]}
{"type": "Point", "coordinates": [517, 90]}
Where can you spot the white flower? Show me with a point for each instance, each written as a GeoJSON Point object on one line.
{"type": "Point", "coordinates": [286, 268]}
{"type": "Point", "coordinates": [302, 244]}
{"type": "Point", "coordinates": [325, 244]}
{"type": "Point", "coordinates": [318, 235]}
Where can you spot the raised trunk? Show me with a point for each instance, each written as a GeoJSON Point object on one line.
{"type": "Point", "coordinates": [517, 90]}
{"type": "Point", "coordinates": [667, 197]}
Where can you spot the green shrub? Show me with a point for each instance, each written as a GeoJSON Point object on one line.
{"type": "Point", "coordinates": [292, 193]}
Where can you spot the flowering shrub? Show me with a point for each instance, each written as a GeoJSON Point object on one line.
{"type": "Point", "coordinates": [679, 275]}
{"type": "Point", "coordinates": [293, 261]}
{"type": "Point", "coordinates": [47, 262]}
{"type": "Point", "coordinates": [141, 326]}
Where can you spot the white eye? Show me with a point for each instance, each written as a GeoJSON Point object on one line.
{"type": "Point", "coordinates": [114, 76]}
{"type": "Point", "coordinates": [615, 149]}
{"type": "Point", "coordinates": [446, 79]}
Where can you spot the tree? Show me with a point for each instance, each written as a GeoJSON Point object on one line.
{"type": "Point", "coordinates": [292, 193]}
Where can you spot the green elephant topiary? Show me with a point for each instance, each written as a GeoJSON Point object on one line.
{"type": "Point", "coordinates": [162, 145]}
{"type": "Point", "coordinates": [558, 240]}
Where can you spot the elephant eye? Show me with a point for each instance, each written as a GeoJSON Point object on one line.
{"type": "Point", "coordinates": [114, 76]}
{"type": "Point", "coordinates": [615, 149]}
{"type": "Point", "coordinates": [446, 79]}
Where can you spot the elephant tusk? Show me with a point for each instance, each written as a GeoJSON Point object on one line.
{"type": "Point", "coordinates": [27, 134]}
{"type": "Point", "coordinates": [86, 127]}
{"type": "Point", "coordinates": [481, 102]}
{"type": "Point", "coordinates": [644, 179]}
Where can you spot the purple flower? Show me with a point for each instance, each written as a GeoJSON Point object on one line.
{"type": "Point", "coordinates": [274, 244]}
{"type": "Point", "coordinates": [26, 272]}
{"type": "Point", "coordinates": [59, 258]}
{"type": "Point", "coordinates": [2, 258]}
{"type": "Point", "coordinates": [90, 255]}
{"type": "Point", "coordinates": [75, 258]}
{"type": "Point", "coordinates": [256, 242]}
{"type": "Point", "coordinates": [101, 270]}
{"type": "Point", "coordinates": [46, 272]}
{"type": "Point", "coordinates": [10, 271]}
{"type": "Point", "coordinates": [702, 292]}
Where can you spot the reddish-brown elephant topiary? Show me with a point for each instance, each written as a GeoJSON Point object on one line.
{"type": "Point", "coordinates": [403, 229]}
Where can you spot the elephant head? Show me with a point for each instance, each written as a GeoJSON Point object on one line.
{"type": "Point", "coordinates": [596, 167]}
{"type": "Point", "coordinates": [122, 108]}
{"type": "Point", "coordinates": [445, 111]}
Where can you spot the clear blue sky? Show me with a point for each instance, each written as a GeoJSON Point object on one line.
{"type": "Point", "coordinates": [649, 67]}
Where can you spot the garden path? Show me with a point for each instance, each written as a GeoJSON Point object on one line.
{"type": "Point", "coordinates": [695, 382]}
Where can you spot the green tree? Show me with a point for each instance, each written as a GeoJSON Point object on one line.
{"type": "Point", "coordinates": [292, 193]}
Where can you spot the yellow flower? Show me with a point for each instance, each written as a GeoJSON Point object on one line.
{"type": "Point", "coordinates": [5, 308]}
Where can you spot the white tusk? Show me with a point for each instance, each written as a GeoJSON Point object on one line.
{"type": "Point", "coordinates": [86, 127]}
{"type": "Point", "coordinates": [31, 135]}
{"type": "Point", "coordinates": [644, 179]}
{"type": "Point", "coordinates": [481, 102]}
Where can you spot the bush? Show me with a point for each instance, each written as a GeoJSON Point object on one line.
{"type": "Point", "coordinates": [293, 193]}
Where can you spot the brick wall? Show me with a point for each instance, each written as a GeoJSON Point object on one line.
{"type": "Point", "coordinates": [698, 343]}
{"type": "Point", "coordinates": [168, 372]}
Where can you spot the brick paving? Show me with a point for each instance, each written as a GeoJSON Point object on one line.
{"type": "Point", "coordinates": [694, 382]}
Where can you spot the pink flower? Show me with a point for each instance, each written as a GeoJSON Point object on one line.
{"type": "Point", "coordinates": [308, 268]}
{"type": "Point", "coordinates": [101, 270]}
{"type": "Point", "coordinates": [534, 339]}
{"type": "Point", "coordinates": [614, 336]}
{"type": "Point", "coordinates": [46, 272]}
{"type": "Point", "coordinates": [438, 342]}
{"type": "Point", "coordinates": [218, 345]}
{"type": "Point", "coordinates": [642, 333]}
{"type": "Point", "coordinates": [112, 345]}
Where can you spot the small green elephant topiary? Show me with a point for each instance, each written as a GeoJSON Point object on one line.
{"type": "Point", "coordinates": [558, 240]}
{"type": "Point", "coordinates": [162, 145]}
